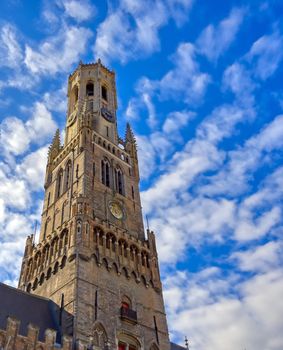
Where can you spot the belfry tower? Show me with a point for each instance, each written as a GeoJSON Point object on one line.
{"type": "Point", "coordinates": [93, 258]}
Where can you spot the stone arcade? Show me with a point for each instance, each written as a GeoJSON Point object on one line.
{"type": "Point", "coordinates": [92, 281]}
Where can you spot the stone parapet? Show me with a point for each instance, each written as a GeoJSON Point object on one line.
{"type": "Point", "coordinates": [10, 339]}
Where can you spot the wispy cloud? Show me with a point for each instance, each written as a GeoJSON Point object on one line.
{"type": "Point", "coordinates": [216, 39]}
{"type": "Point", "coordinates": [131, 31]}
{"type": "Point", "coordinates": [58, 53]}
{"type": "Point", "coordinates": [82, 10]}
{"type": "Point", "coordinates": [10, 50]}
{"type": "Point", "coordinates": [16, 135]}
{"type": "Point", "coordinates": [266, 54]}
{"type": "Point", "coordinates": [216, 310]}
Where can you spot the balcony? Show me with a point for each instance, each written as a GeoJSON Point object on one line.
{"type": "Point", "coordinates": [128, 315]}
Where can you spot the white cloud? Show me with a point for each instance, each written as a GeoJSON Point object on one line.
{"type": "Point", "coordinates": [266, 54]}
{"type": "Point", "coordinates": [215, 40]}
{"type": "Point", "coordinates": [262, 258]}
{"type": "Point", "coordinates": [41, 126]}
{"type": "Point", "coordinates": [32, 168]}
{"type": "Point", "coordinates": [10, 50]}
{"type": "Point", "coordinates": [237, 79]}
{"type": "Point", "coordinates": [56, 100]}
{"type": "Point", "coordinates": [58, 53]}
{"type": "Point", "coordinates": [118, 39]}
{"type": "Point", "coordinates": [13, 191]}
{"type": "Point", "coordinates": [234, 178]}
{"type": "Point", "coordinates": [16, 136]}
{"type": "Point", "coordinates": [251, 226]}
{"type": "Point", "coordinates": [191, 222]}
{"type": "Point", "coordinates": [176, 121]}
{"type": "Point", "coordinates": [147, 155]}
{"type": "Point", "coordinates": [222, 313]}
{"type": "Point", "coordinates": [179, 10]}
{"type": "Point", "coordinates": [131, 30]}
{"type": "Point", "coordinates": [159, 145]}
{"type": "Point", "coordinates": [81, 10]}
{"type": "Point", "coordinates": [185, 80]}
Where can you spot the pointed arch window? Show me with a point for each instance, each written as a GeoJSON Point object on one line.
{"type": "Point", "coordinates": [89, 89]}
{"type": "Point", "coordinates": [59, 183]}
{"type": "Point", "coordinates": [119, 181]}
{"type": "Point", "coordinates": [74, 98]}
{"type": "Point", "coordinates": [68, 175]}
{"type": "Point", "coordinates": [105, 172]}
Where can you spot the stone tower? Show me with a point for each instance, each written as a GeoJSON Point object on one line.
{"type": "Point", "coordinates": [93, 257]}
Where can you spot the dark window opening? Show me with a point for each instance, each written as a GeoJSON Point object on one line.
{"type": "Point", "coordinates": [107, 183]}
{"type": "Point", "coordinates": [89, 89]}
{"type": "Point", "coordinates": [68, 175]}
{"type": "Point", "coordinates": [133, 193]}
{"type": "Point", "coordinates": [119, 181]}
{"type": "Point", "coordinates": [105, 173]}
{"type": "Point", "coordinates": [122, 346]}
{"type": "Point", "coordinates": [76, 94]}
{"type": "Point", "coordinates": [104, 92]}
{"type": "Point", "coordinates": [59, 185]}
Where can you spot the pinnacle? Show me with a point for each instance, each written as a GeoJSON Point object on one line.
{"type": "Point", "coordinates": [56, 140]}
{"type": "Point", "coordinates": [129, 134]}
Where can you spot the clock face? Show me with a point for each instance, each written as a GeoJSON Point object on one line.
{"type": "Point", "coordinates": [106, 114]}
{"type": "Point", "coordinates": [116, 210]}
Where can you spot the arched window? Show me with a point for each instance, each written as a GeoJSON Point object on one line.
{"type": "Point", "coordinates": [76, 94]}
{"type": "Point", "coordinates": [104, 92]}
{"type": "Point", "coordinates": [128, 342]}
{"type": "Point", "coordinates": [89, 89]}
{"type": "Point", "coordinates": [74, 98]}
{"type": "Point", "coordinates": [45, 229]}
{"type": "Point", "coordinates": [99, 336]}
{"type": "Point", "coordinates": [119, 182]}
{"type": "Point", "coordinates": [56, 268]}
{"type": "Point", "coordinates": [49, 271]}
{"type": "Point", "coordinates": [105, 173]}
{"type": "Point", "coordinates": [35, 283]}
{"type": "Point", "coordinates": [59, 183]}
{"type": "Point", "coordinates": [29, 288]}
{"type": "Point", "coordinates": [79, 227]}
{"type": "Point", "coordinates": [68, 175]}
{"type": "Point", "coordinates": [41, 279]}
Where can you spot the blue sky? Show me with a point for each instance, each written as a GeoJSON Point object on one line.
{"type": "Point", "coordinates": [201, 85]}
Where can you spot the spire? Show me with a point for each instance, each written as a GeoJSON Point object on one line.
{"type": "Point", "coordinates": [55, 146]}
{"type": "Point", "coordinates": [56, 140]}
{"type": "Point", "coordinates": [129, 134]}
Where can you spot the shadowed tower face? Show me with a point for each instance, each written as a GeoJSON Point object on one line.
{"type": "Point", "coordinates": [93, 258]}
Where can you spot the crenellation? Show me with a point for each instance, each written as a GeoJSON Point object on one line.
{"type": "Point", "coordinates": [10, 339]}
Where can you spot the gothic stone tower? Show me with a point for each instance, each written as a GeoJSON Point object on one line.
{"type": "Point", "coordinates": [93, 258]}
